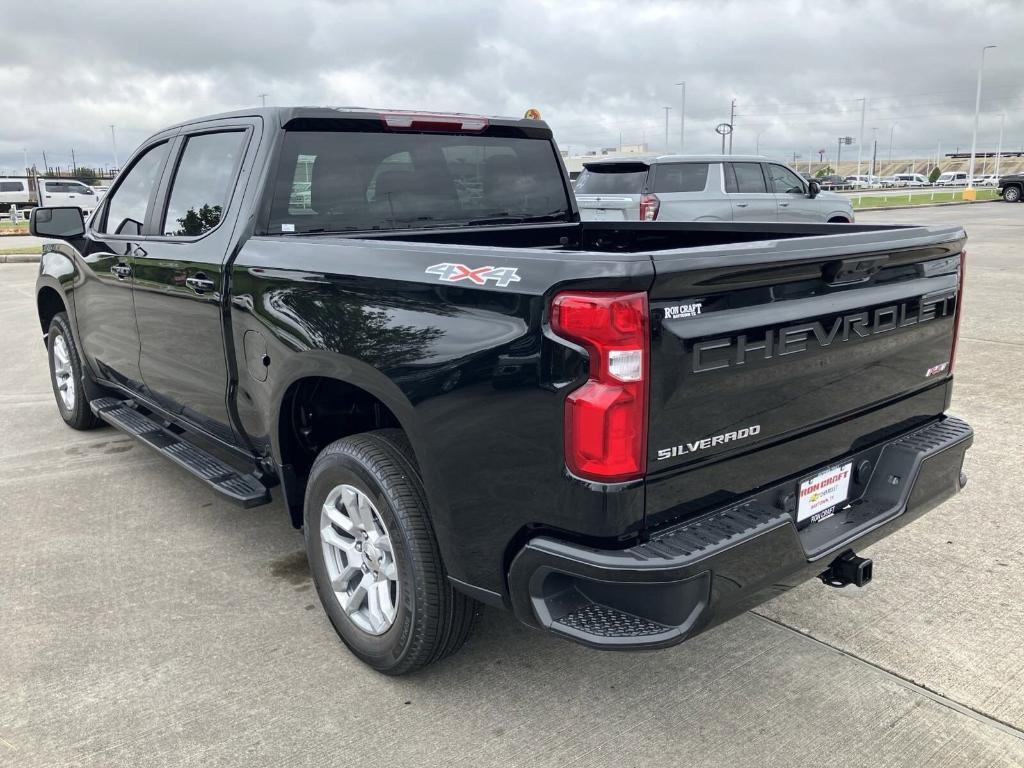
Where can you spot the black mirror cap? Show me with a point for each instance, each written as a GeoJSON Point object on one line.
{"type": "Point", "coordinates": [61, 223]}
{"type": "Point", "coordinates": [813, 188]}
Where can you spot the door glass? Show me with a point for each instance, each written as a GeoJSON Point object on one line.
{"type": "Point", "coordinates": [681, 177]}
{"type": "Point", "coordinates": [784, 180]}
{"type": "Point", "coordinates": [201, 183]}
{"type": "Point", "coordinates": [126, 211]}
{"type": "Point", "coordinates": [748, 178]}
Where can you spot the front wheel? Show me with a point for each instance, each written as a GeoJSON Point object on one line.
{"type": "Point", "coordinates": [374, 559]}
{"type": "Point", "coordinates": [1011, 194]}
{"type": "Point", "coordinates": [67, 375]}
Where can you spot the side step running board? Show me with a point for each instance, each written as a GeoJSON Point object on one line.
{"type": "Point", "coordinates": [237, 487]}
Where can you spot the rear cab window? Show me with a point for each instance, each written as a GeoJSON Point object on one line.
{"type": "Point", "coordinates": [612, 179]}
{"type": "Point", "coordinates": [342, 181]}
{"type": "Point", "coordinates": [680, 177]}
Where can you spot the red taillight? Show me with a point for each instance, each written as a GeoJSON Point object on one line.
{"type": "Point", "coordinates": [649, 205]}
{"type": "Point", "coordinates": [427, 121]}
{"type": "Point", "coordinates": [959, 308]}
{"type": "Point", "coordinates": [606, 418]}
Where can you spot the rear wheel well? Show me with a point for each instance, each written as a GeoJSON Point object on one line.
{"type": "Point", "coordinates": [49, 303]}
{"type": "Point", "coordinates": [839, 220]}
{"type": "Point", "coordinates": [315, 411]}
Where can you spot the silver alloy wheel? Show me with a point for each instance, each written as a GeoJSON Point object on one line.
{"type": "Point", "coordinates": [360, 559]}
{"type": "Point", "coordinates": [63, 374]}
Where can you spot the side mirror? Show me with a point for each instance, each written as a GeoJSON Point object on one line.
{"type": "Point", "coordinates": [59, 223]}
{"type": "Point", "coordinates": [813, 188]}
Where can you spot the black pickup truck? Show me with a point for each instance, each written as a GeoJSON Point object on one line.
{"type": "Point", "coordinates": [624, 432]}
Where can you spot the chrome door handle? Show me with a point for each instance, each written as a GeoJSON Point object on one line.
{"type": "Point", "coordinates": [783, 205]}
{"type": "Point", "coordinates": [742, 205]}
{"type": "Point", "coordinates": [199, 283]}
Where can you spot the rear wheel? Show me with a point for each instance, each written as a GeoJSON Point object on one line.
{"type": "Point", "coordinates": [67, 375]}
{"type": "Point", "coordinates": [374, 558]}
{"type": "Point", "coordinates": [1011, 194]}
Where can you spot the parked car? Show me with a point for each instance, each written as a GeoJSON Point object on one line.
{"type": "Point", "coordinates": [986, 180]}
{"type": "Point", "coordinates": [1011, 187]}
{"type": "Point", "coordinates": [625, 432]}
{"type": "Point", "coordinates": [64, 192]}
{"type": "Point", "coordinates": [15, 191]}
{"type": "Point", "coordinates": [702, 188]}
{"type": "Point", "coordinates": [951, 179]}
{"type": "Point", "coordinates": [863, 181]}
{"type": "Point", "coordinates": [910, 180]}
{"type": "Point", "coordinates": [834, 181]}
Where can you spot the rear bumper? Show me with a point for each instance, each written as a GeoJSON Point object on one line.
{"type": "Point", "coordinates": [691, 576]}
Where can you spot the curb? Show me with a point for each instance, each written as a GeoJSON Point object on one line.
{"type": "Point", "coordinates": [20, 258]}
{"type": "Point", "coordinates": [926, 205]}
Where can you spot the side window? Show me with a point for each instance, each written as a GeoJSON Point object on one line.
{"type": "Point", "coordinates": [744, 178]}
{"type": "Point", "coordinates": [126, 210]}
{"type": "Point", "coordinates": [11, 186]}
{"type": "Point", "coordinates": [202, 183]}
{"type": "Point", "coordinates": [681, 177]}
{"type": "Point", "coordinates": [784, 180]}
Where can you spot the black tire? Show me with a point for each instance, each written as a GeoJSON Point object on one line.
{"type": "Point", "coordinates": [432, 619]}
{"type": "Point", "coordinates": [1011, 194]}
{"type": "Point", "coordinates": [78, 415]}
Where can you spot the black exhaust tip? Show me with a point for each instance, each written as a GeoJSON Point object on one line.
{"type": "Point", "coordinates": [848, 569]}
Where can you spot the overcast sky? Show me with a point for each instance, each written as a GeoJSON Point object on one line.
{"type": "Point", "coordinates": [797, 70]}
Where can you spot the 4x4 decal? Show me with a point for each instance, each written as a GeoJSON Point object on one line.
{"type": "Point", "coordinates": [453, 273]}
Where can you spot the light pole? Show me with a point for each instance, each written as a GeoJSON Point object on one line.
{"type": "Point", "coordinates": [998, 148]}
{"type": "Point", "coordinates": [263, 99]}
{"type": "Point", "coordinates": [892, 130]}
{"type": "Point", "coordinates": [757, 143]}
{"type": "Point", "coordinates": [977, 109]}
{"type": "Point", "coordinates": [860, 141]}
{"type": "Point", "coordinates": [113, 143]}
{"type": "Point", "coordinates": [26, 154]}
{"type": "Point", "coordinates": [682, 114]}
{"type": "Point", "coordinates": [667, 110]}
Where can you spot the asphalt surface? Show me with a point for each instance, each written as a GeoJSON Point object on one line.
{"type": "Point", "coordinates": [144, 622]}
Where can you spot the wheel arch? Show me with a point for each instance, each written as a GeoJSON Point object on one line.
{"type": "Point", "coordinates": [49, 303]}
{"type": "Point", "coordinates": [334, 397]}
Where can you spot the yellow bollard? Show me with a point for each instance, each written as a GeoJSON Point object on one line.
{"type": "Point", "coordinates": [970, 193]}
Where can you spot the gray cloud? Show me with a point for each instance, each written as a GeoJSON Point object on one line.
{"type": "Point", "coordinates": [595, 69]}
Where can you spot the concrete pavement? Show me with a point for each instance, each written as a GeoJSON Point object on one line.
{"type": "Point", "coordinates": [144, 622]}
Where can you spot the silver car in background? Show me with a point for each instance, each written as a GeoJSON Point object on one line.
{"type": "Point", "coordinates": [703, 188]}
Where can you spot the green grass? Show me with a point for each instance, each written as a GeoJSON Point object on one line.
{"type": "Point", "coordinates": [8, 226]}
{"type": "Point", "coordinates": [920, 197]}
{"type": "Point", "coordinates": [33, 249]}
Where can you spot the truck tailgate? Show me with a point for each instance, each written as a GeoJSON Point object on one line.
{"type": "Point", "coordinates": [757, 344]}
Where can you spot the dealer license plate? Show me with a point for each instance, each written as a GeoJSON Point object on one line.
{"type": "Point", "coordinates": [821, 494]}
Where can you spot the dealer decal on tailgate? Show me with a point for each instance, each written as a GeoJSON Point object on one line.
{"type": "Point", "coordinates": [821, 494]}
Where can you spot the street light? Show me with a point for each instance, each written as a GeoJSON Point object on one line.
{"type": "Point", "coordinates": [667, 110]}
{"type": "Point", "coordinates": [682, 114]}
{"type": "Point", "coordinates": [113, 142]}
{"type": "Point", "coordinates": [977, 109]}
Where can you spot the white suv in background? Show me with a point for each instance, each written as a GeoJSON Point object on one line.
{"type": "Point", "coordinates": [67, 192]}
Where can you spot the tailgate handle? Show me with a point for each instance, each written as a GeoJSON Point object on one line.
{"type": "Point", "coordinates": [856, 270]}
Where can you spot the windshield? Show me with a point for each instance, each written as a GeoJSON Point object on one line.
{"type": "Point", "coordinates": [336, 181]}
{"type": "Point", "coordinates": [612, 179]}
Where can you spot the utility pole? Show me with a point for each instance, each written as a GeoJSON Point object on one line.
{"type": "Point", "coordinates": [860, 143]}
{"type": "Point", "coordinates": [74, 163]}
{"type": "Point", "coordinates": [977, 109]}
{"type": "Point", "coordinates": [810, 154]}
{"type": "Point", "coordinates": [757, 143]}
{"type": "Point", "coordinates": [667, 110]}
{"type": "Point", "coordinates": [682, 114]}
{"type": "Point", "coordinates": [25, 150]}
{"type": "Point", "coordinates": [732, 123]}
{"type": "Point", "coordinates": [46, 165]}
{"type": "Point", "coordinates": [263, 99]}
{"type": "Point", "coordinates": [938, 154]}
{"type": "Point", "coordinates": [113, 143]}
{"type": "Point", "coordinates": [795, 156]}
{"type": "Point", "coordinates": [999, 148]}
{"type": "Point", "coordinates": [874, 151]}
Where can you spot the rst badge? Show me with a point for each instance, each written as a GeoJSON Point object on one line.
{"type": "Point", "coordinates": [454, 273]}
